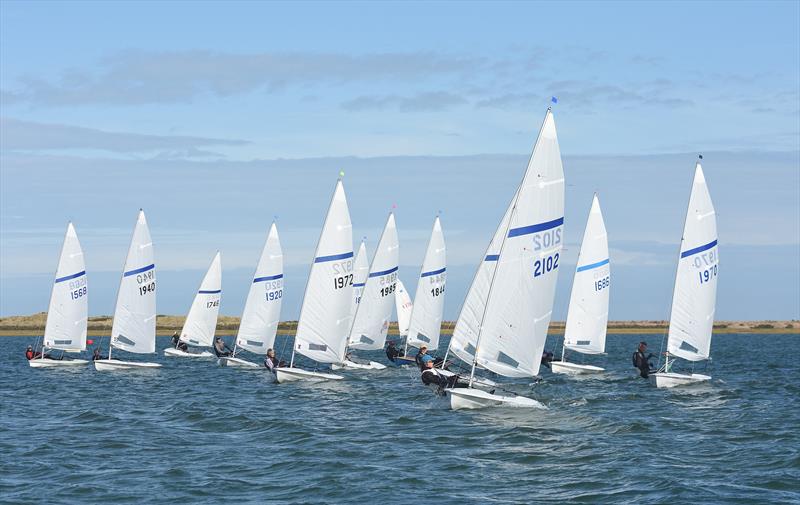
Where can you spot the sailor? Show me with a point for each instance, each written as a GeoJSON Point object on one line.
{"type": "Point", "coordinates": [271, 362]}
{"type": "Point", "coordinates": [31, 354]}
{"type": "Point", "coordinates": [431, 376]}
{"type": "Point", "coordinates": [423, 351]}
{"type": "Point", "coordinates": [392, 352]}
{"type": "Point", "coordinates": [96, 354]}
{"type": "Point", "coordinates": [176, 341]}
{"type": "Point", "coordinates": [641, 361]}
{"type": "Point", "coordinates": [221, 348]}
{"type": "Point", "coordinates": [547, 358]}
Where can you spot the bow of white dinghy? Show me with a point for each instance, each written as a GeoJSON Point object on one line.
{"type": "Point", "coordinates": [469, 398]}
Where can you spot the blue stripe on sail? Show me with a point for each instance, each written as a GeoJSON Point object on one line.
{"type": "Point", "coordinates": [139, 270]}
{"type": "Point", "coordinates": [434, 272]}
{"type": "Point", "coordinates": [69, 277]}
{"type": "Point", "coordinates": [535, 228]}
{"type": "Point", "coordinates": [385, 272]}
{"type": "Point", "coordinates": [359, 285]}
{"type": "Point", "coordinates": [492, 257]}
{"type": "Point", "coordinates": [269, 278]}
{"type": "Point", "coordinates": [334, 257]}
{"type": "Point", "coordinates": [700, 249]}
{"type": "Point", "coordinates": [593, 265]}
{"type": "Point", "coordinates": [209, 292]}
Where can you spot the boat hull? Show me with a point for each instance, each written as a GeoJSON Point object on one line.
{"type": "Point", "coordinates": [177, 353]}
{"type": "Point", "coordinates": [671, 380]}
{"type": "Point", "coordinates": [469, 398]}
{"type": "Point", "coordinates": [56, 363]}
{"type": "Point", "coordinates": [568, 368]}
{"type": "Point", "coordinates": [109, 365]}
{"type": "Point", "coordinates": [284, 374]}
{"type": "Point", "coordinates": [352, 365]}
{"type": "Point", "coordinates": [226, 361]}
{"type": "Point", "coordinates": [405, 360]}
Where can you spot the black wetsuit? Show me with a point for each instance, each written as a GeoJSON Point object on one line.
{"type": "Point", "coordinates": [226, 351]}
{"type": "Point", "coordinates": [430, 376]}
{"type": "Point", "coordinates": [392, 352]}
{"type": "Point", "coordinates": [176, 341]}
{"type": "Point", "coordinates": [641, 362]}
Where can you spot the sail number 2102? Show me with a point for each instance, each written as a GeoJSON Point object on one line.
{"type": "Point", "coordinates": [545, 265]}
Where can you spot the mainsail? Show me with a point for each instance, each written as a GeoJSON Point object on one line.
{"type": "Point", "coordinates": [695, 294]}
{"type": "Point", "coordinates": [371, 322]}
{"type": "Point", "coordinates": [201, 322]}
{"type": "Point", "coordinates": [262, 310]}
{"type": "Point", "coordinates": [587, 317]}
{"type": "Point", "coordinates": [134, 327]}
{"type": "Point", "coordinates": [325, 318]}
{"type": "Point", "coordinates": [68, 310]}
{"type": "Point", "coordinates": [426, 315]}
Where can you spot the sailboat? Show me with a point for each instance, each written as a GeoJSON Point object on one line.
{"type": "Point", "coordinates": [695, 294]}
{"type": "Point", "coordinates": [371, 321]}
{"type": "Point", "coordinates": [425, 324]}
{"type": "Point", "coordinates": [262, 310]}
{"type": "Point", "coordinates": [65, 329]}
{"type": "Point", "coordinates": [134, 327]}
{"type": "Point", "coordinates": [201, 323]}
{"type": "Point", "coordinates": [510, 311]}
{"type": "Point", "coordinates": [325, 318]}
{"type": "Point", "coordinates": [587, 316]}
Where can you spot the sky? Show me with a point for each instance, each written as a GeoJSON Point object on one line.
{"type": "Point", "coordinates": [218, 118]}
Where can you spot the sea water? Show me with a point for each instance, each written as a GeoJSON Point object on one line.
{"type": "Point", "coordinates": [192, 432]}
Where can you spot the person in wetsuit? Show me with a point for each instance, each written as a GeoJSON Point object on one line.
{"type": "Point", "coordinates": [221, 349]}
{"type": "Point", "coordinates": [392, 352]}
{"type": "Point", "coordinates": [96, 354]}
{"type": "Point", "coordinates": [176, 342]}
{"type": "Point", "coordinates": [31, 354]}
{"type": "Point", "coordinates": [641, 361]}
{"type": "Point", "coordinates": [431, 376]}
{"type": "Point", "coordinates": [547, 358]}
{"type": "Point", "coordinates": [271, 362]}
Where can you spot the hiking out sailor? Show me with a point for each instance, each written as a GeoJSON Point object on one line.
{"type": "Point", "coordinates": [31, 354]}
{"type": "Point", "coordinates": [547, 358]}
{"type": "Point", "coordinates": [96, 354]}
{"type": "Point", "coordinates": [221, 349]}
{"type": "Point", "coordinates": [271, 362]}
{"type": "Point", "coordinates": [176, 341]}
{"type": "Point", "coordinates": [432, 376]}
{"type": "Point", "coordinates": [641, 361]}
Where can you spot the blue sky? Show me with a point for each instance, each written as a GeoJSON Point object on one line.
{"type": "Point", "coordinates": [218, 117]}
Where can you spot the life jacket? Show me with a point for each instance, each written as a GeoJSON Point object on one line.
{"type": "Point", "coordinates": [29, 354]}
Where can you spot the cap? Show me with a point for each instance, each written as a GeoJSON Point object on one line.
{"type": "Point", "coordinates": [426, 358]}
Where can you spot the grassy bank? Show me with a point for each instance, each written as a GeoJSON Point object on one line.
{"type": "Point", "coordinates": [165, 325]}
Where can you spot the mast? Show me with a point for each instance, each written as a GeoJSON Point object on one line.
{"type": "Point", "coordinates": [122, 278]}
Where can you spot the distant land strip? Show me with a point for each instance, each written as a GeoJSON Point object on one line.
{"type": "Point", "coordinates": [33, 325]}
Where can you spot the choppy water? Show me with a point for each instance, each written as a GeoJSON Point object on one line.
{"type": "Point", "coordinates": [195, 433]}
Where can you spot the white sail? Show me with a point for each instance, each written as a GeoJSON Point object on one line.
{"type": "Point", "coordinates": [404, 307]}
{"type": "Point", "coordinates": [377, 300]}
{"type": "Point", "coordinates": [426, 316]}
{"type": "Point", "coordinates": [325, 319]}
{"type": "Point", "coordinates": [695, 294]}
{"type": "Point", "coordinates": [520, 298]}
{"type": "Point", "coordinates": [465, 333]}
{"type": "Point", "coordinates": [134, 327]}
{"type": "Point", "coordinates": [360, 276]}
{"type": "Point", "coordinates": [262, 310]}
{"type": "Point", "coordinates": [587, 316]}
{"type": "Point", "coordinates": [69, 306]}
{"type": "Point", "coordinates": [201, 323]}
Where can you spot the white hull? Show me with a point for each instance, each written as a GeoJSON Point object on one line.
{"type": "Point", "coordinates": [177, 353]}
{"type": "Point", "coordinates": [56, 363]}
{"type": "Point", "coordinates": [351, 365]}
{"type": "Point", "coordinates": [568, 368]}
{"type": "Point", "coordinates": [671, 380]}
{"type": "Point", "coordinates": [236, 362]}
{"type": "Point", "coordinates": [468, 398]}
{"type": "Point", "coordinates": [284, 374]}
{"type": "Point", "coordinates": [105, 365]}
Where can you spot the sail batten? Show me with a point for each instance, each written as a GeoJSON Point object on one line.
{"type": "Point", "coordinates": [67, 314]}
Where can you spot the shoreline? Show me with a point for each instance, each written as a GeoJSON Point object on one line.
{"type": "Point", "coordinates": [33, 325]}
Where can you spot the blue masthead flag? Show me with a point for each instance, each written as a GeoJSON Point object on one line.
{"type": "Point", "coordinates": [554, 99]}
